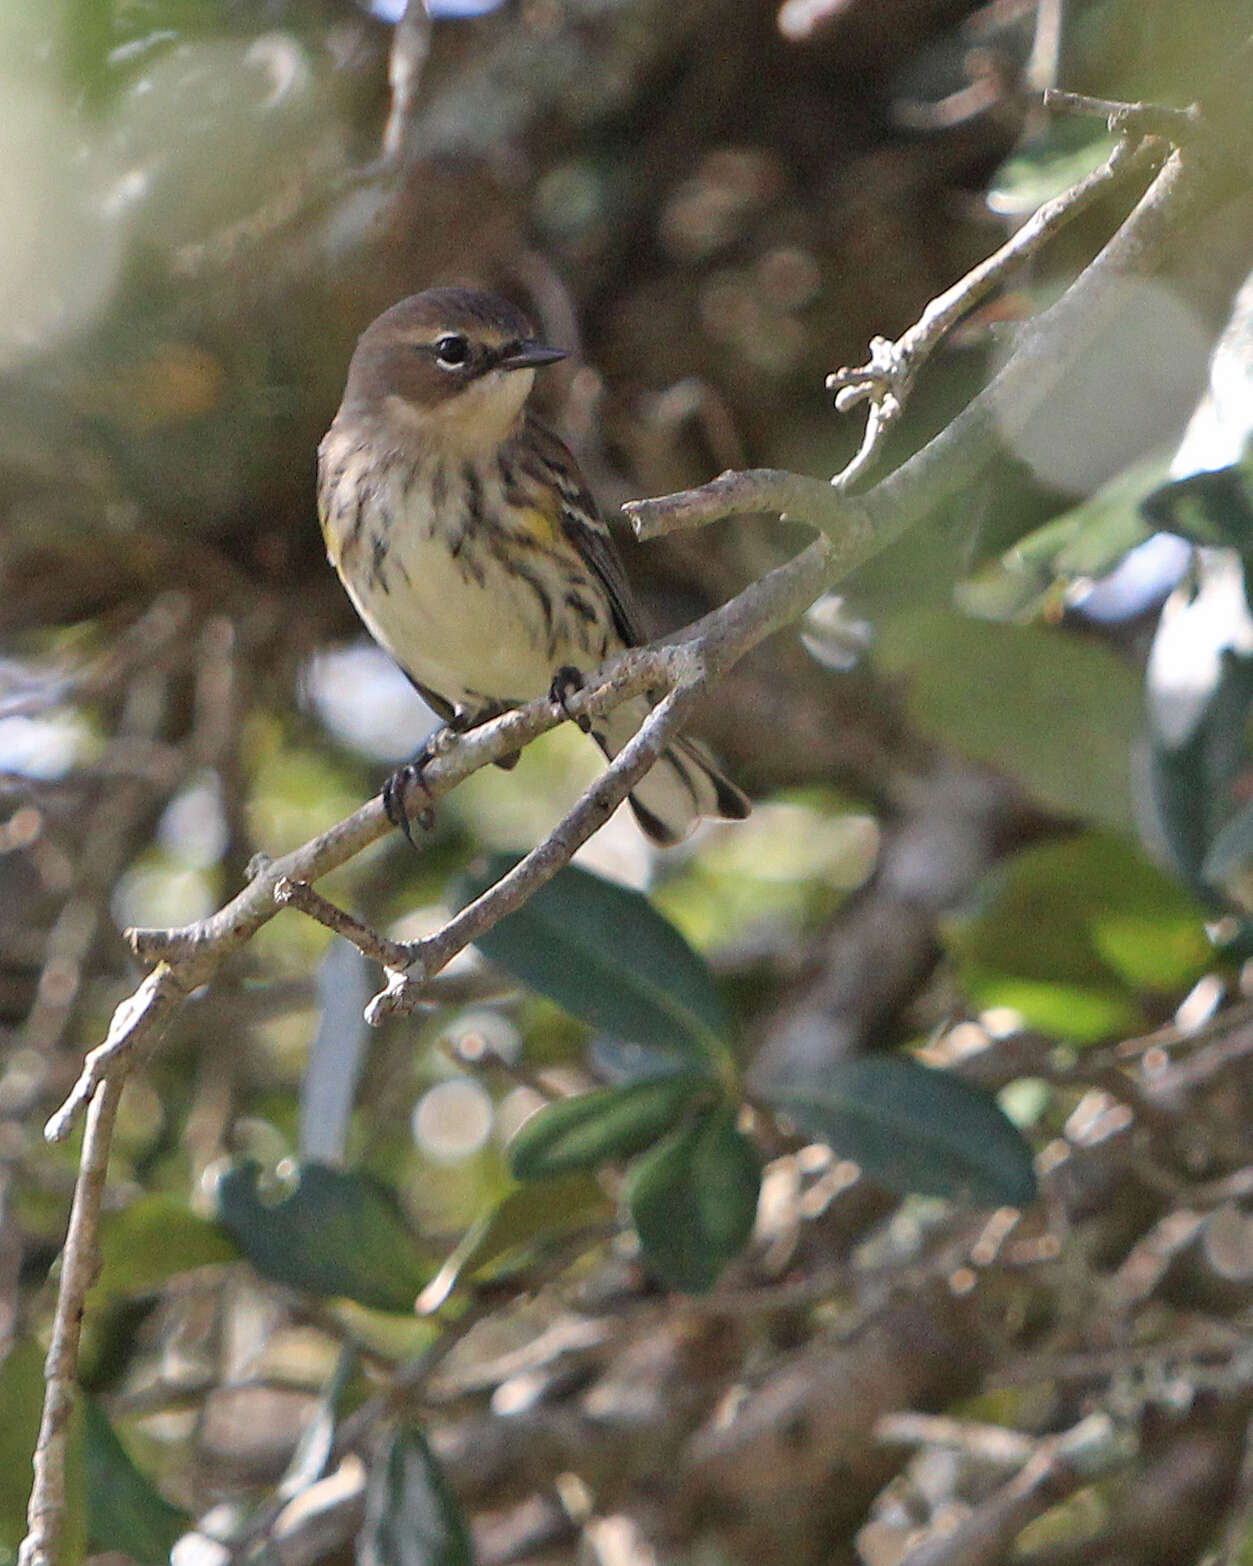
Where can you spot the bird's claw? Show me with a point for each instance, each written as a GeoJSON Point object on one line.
{"type": "Point", "coordinates": [566, 682]}
{"type": "Point", "coordinates": [398, 785]}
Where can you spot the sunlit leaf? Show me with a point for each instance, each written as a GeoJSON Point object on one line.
{"type": "Point", "coordinates": [913, 1129]}
{"type": "Point", "coordinates": [1056, 711]}
{"type": "Point", "coordinates": [693, 1200]}
{"type": "Point", "coordinates": [521, 1220]}
{"type": "Point", "coordinates": [153, 1239]}
{"type": "Point", "coordinates": [618, 1122]}
{"type": "Point", "coordinates": [1073, 934]}
{"type": "Point", "coordinates": [1086, 541]}
{"type": "Point", "coordinates": [604, 953]}
{"type": "Point", "coordinates": [327, 1233]}
{"type": "Point", "coordinates": [1046, 166]}
{"type": "Point", "coordinates": [125, 1511]}
{"type": "Point", "coordinates": [411, 1516]}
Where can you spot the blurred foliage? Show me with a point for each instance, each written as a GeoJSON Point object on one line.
{"type": "Point", "coordinates": [1083, 938]}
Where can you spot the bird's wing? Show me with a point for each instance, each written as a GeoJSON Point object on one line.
{"type": "Point", "coordinates": [583, 528]}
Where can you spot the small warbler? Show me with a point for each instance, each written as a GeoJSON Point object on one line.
{"type": "Point", "coordinates": [470, 545]}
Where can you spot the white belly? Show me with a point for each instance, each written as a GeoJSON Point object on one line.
{"type": "Point", "coordinates": [461, 640]}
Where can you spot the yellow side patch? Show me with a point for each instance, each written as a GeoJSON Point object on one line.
{"type": "Point", "coordinates": [541, 525]}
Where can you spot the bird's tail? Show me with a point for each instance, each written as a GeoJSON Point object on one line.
{"type": "Point", "coordinates": [682, 786]}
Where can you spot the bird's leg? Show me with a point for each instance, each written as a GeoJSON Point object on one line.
{"type": "Point", "coordinates": [566, 681]}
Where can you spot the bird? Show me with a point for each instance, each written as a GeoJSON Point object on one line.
{"type": "Point", "coordinates": [472, 548]}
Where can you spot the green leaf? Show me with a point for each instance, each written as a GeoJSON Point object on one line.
{"type": "Point", "coordinates": [1047, 166]}
{"type": "Point", "coordinates": [604, 953]}
{"type": "Point", "coordinates": [694, 1199]}
{"type": "Point", "coordinates": [1086, 541]}
{"type": "Point", "coordinates": [411, 1516]}
{"type": "Point", "coordinates": [1074, 934]}
{"type": "Point", "coordinates": [617, 1122]}
{"type": "Point", "coordinates": [1212, 507]}
{"type": "Point", "coordinates": [21, 1394]}
{"type": "Point", "coordinates": [329, 1233]}
{"type": "Point", "coordinates": [1231, 852]}
{"type": "Point", "coordinates": [144, 1245]}
{"type": "Point", "coordinates": [512, 1229]}
{"type": "Point", "coordinates": [125, 1512]}
{"type": "Point", "coordinates": [914, 1129]}
{"type": "Point", "coordinates": [1058, 712]}
{"type": "Point", "coordinates": [1195, 779]}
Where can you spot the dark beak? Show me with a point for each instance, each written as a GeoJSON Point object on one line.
{"type": "Point", "coordinates": [529, 356]}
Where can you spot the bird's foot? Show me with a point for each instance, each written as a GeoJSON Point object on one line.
{"type": "Point", "coordinates": [405, 777]}
{"type": "Point", "coordinates": [566, 682]}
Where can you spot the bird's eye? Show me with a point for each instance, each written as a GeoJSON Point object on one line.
{"type": "Point", "coordinates": [451, 351]}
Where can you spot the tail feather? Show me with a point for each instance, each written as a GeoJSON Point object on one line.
{"type": "Point", "coordinates": [683, 785]}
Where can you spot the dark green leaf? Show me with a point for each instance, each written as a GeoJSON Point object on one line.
{"type": "Point", "coordinates": [604, 953]}
{"type": "Point", "coordinates": [1062, 716]}
{"type": "Point", "coordinates": [914, 1129]}
{"type": "Point", "coordinates": [154, 1239]}
{"type": "Point", "coordinates": [1210, 508]}
{"type": "Point", "coordinates": [618, 1122]}
{"type": "Point", "coordinates": [694, 1198]}
{"type": "Point", "coordinates": [328, 1233]}
{"type": "Point", "coordinates": [1072, 934]}
{"type": "Point", "coordinates": [1231, 852]}
{"type": "Point", "coordinates": [125, 1512]}
{"type": "Point", "coordinates": [1200, 745]}
{"type": "Point", "coordinates": [512, 1229]}
{"type": "Point", "coordinates": [411, 1516]}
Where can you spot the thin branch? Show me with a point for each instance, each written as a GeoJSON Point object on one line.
{"type": "Point", "coordinates": [889, 378]}
{"type": "Point", "coordinates": [1189, 184]}
{"type": "Point", "coordinates": [141, 1018]}
{"type": "Point", "coordinates": [425, 958]}
{"type": "Point", "coordinates": [1061, 1465]}
{"type": "Point", "coordinates": [299, 894]}
{"type": "Point", "coordinates": [1129, 119]}
{"type": "Point", "coordinates": [79, 1263]}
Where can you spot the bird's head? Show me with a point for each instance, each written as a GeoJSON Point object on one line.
{"type": "Point", "coordinates": [452, 364]}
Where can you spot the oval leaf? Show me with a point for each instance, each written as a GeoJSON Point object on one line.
{"type": "Point", "coordinates": [524, 1218]}
{"type": "Point", "coordinates": [125, 1512]}
{"type": "Point", "coordinates": [618, 1122]}
{"type": "Point", "coordinates": [604, 953]}
{"type": "Point", "coordinates": [914, 1129]}
{"type": "Point", "coordinates": [694, 1200]}
{"type": "Point", "coordinates": [144, 1245]}
{"type": "Point", "coordinates": [1073, 933]}
{"type": "Point", "coordinates": [331, 1233]}
{"type": "Point", "coordinates": [411, 1516]}
{"type": "Point", "coordinates": [1069, 716]}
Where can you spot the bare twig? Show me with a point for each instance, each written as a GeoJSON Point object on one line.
{"type": "Point", "coordinates": [80, 1258]}
{"type": "Point", "coordinates": [988, 1443]}
{"type": "Point", "coordinates": [889, 378]}
{"type": "Point", "coordinates": [1060, 1466]}
{"type": "Point", "coordinates": [411, 43]}
{"type": "Point", "coordinates": [299, 894]}
{"type": "Point", "coordinates": [426, 958]}
{"type": "Point", "coordinates": [1128, 119]}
